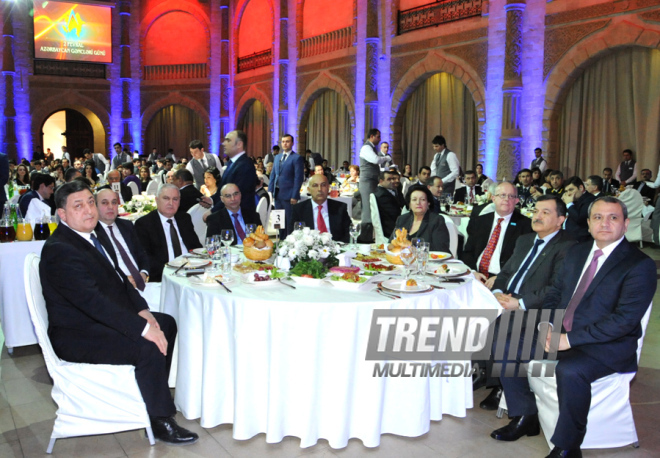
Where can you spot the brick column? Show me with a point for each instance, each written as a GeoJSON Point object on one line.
{"type": "Point", "coordinates": [509, 153]}
{"type": "Point", "coordinates": [371, 62]}
{"type": "Point", "coordinates": [9, 142]}
{"type": "Point", "coordinates": [125, 73]}
{"type": "Point", "coordinates": [225, 89]}
{"type": "Point", "coordinates": [283, 71]}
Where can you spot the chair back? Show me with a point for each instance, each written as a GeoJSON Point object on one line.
{"type": "Point", "coordinates": [262, 210]}
{"type": "Point", "coordinates": [196, 213]}
{"type": "Point", "coordinates": [453, 235]}
{"type": "Point", "coordinates": [404, 187]}
{"type": "Point", "coordinates": [134, 188]}
{"type": "Point", "coordinates": [375, 220]}
{"type": "Point", "coordinates": [37, 308]}
{"type": "Point", "coordinates": [635, 203]}
{"type": "Point", "coordinates": [152, 187]}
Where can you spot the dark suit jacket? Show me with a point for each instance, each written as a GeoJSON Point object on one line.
{"type": "Point", "coordinates": [126, 192]}
{"type": "Point", "coordinates": [243, 174]}
{"type": "Point", "coordinates": [337, 211]}
{"type": "Point", "coordinates": [609, 188]}
{"type": "Point", "coordinates": [389, 208]}
{"type": "Point", "coordinates": [541, 274]}
{"type": "Point", "coordinates": [645, 191]}
{"type": "Point", "coordinates": [130, 236]}
{"type": "Point", "coordinates": [461, 193]}
{"type": "Point", "coordinates": [221, 219]}
{"type": "Point", "coordinates": [433, 230]}
{"type": "Point", "coordinates": [189, 196]}
{"type": "Point", "coordinates": [152, 236]}
{"type": "Point", "coordinates": [98, 297]}
{"type": "Point", "coordinates": [285, 184]}
{"type": "Point", "coordinates": [606, 324]}
{"type": "Point", "coordinates": [578, 214]}
{"type": "Point", "coordinates": [478, 231]}
{"type": "Point", "coordinates": [4, 178]}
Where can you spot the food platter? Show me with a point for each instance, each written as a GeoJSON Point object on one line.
{"type": "Point", "coordinates": [398, 285]}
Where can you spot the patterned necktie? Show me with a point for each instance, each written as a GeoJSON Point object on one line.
{"type": "Point", "coordinates": [174, 236]}
{"type": "Point", "coordinates": [471, 195]}
{"type": "Point", "coordinates": [237, 225]}
{"type": "Point", "coordinates": [320, 222]}
{"type": "Point", "coordinates": [137, 278]}
{"type": "Point", "coordinates": [99, 247]}
{"type": "Point", "coordinates": [582, 288]}
{"type": "Point", "coordinates": [523, 269]}
{"type": "Point", "coordinates": [490, 248]}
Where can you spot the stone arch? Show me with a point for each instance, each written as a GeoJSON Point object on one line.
{"type": "Point", "coordinates": [436, 62]}
{"type": "Point", "coordinates": [96, 114]}
{"type": "Point", "coordinates": [238, 16]}
{"type": "Point", "coordinates": [300, 4]}
{"type": "Point", "coordinates": [247, 99]}
{"type": "Point", "coordinates": [175, 98]}
{"type": "Point", "coordinates": [584, 53]}
{"type": "Point", "coordinates": [322, 83]}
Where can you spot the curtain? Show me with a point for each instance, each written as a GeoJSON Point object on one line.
{"type": "Point", "coordinates": [256, 126]}
{"type": "Point", "coordinates": [442, 105]}
{"type": "Point", "coordinates": [329, 129]}
{"type": "Point", "coordinates": [614, 105]}
{"type": "Point", "coordinates": [175, 126]}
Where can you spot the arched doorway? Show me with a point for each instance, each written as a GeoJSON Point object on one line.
{"type": "Point", "coordinates": [613, 105]}
{"type": "Point", "coordinates": [75, 129]}
{"type": "Point", "coordinates": [175, 126]}
{"type": "Point", "coordinates": [327, 128]}
{"type": "Point", "coordinates": [256, 123]}
{"type": "Point", "coordinates": [441, 105]}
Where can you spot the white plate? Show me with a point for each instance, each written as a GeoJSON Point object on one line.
{"type": "Point", "coordinates": [201, 251]}
{"type": "Point", "coordinates": [303, 281]}
{"type": "Point", "coordinates": [189, 262]}
{"type": "Point", "coordinates": [198, 280]}
{"type": "Point", "coordinates": [341, 284]}
{"type": "Point", "coordinates": [455, 270]}
{"type": "Point", "coordinates": [398, 285]}
{"type": "Point", "coordinates": [443, 256]}
{"type": "Point", "coordinates": [249, 279]}
{"type": "Point", "coordinates": [374, 247]}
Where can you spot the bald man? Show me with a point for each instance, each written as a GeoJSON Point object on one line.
{"type": "Point", "coordinates": [232, 216]}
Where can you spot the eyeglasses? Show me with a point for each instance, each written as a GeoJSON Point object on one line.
{"type": "Point", "coordinates": [506, 196]}
{"type": "Point", "coordinates": [229, 196]}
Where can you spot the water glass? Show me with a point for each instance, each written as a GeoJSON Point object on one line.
{"type": "Point", "coordinates": [211, 245]}
{"type": "Point", "coordinates": [227, 237]}
{"type": "Point", "coordinates": [225, 261]}
{"type": "Point", "coordinates": [250, 229]}
{"type": "Point", "coordinates": [422, 258]}
{"type": "Point", "coordinates": [298, 226]}
{"type": "Point", "coordinates": [408, 256]}
{"type": "Point", "coordinates": [354, 230]}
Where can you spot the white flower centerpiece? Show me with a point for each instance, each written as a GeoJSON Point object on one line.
{"type": "Point", "coordinates": [140, 203]}
{"type": "Point", "coordinates": [309, 245]}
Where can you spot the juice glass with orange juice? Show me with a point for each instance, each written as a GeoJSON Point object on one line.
{"type": "Point", "coordinates": [24, 231]}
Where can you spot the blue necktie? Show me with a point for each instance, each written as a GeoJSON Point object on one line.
{"type": "Point", "coordinates": [99, 247]}
{"type": "Point", "coordinates": [525, 266]}
{"type": "Point", "coordinates": [229, 164]}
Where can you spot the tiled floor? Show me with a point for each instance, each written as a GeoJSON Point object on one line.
{"type": "Point", "coordinates": [27, 412]}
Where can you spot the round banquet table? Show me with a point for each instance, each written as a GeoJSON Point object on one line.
{"type": "Point", "coordinates": [284, 362]}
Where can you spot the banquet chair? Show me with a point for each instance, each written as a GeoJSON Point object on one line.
{"type": "Point", "coordinates": [134, 188]}
{"type": "Point", "coordinates": [263, 211]}
{"type": "Point", "coordinates": [152, 188]}
{"type": "Point", "coordinates": [610, 422]}
{"type": "Point", "coordinates": [92, 399]}
{"type": "Point", "coordinates": [635, 203]}
{"type": "Point", "coordinates": [453, 235]}
{"type": "Point", "coordinates": [404, 187]}
{"type": "Point", "coordinates": [375, 220]}
{"type": "Point", "coordinates": [196, 213]}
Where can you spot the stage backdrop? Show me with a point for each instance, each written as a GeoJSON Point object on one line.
{"type": "Point", "coordinates": [174, 127]}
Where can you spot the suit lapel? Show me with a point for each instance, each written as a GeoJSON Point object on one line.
{"type": "Point", "coordinates": [613, 260]}
{"type": "Point", "coordinates": [578, 265]}
{"type": "Point", "coordinates": [106, 242]}
{"type": "Point", "coordinates": [548, 250]}
{"type": "Point", "coordinates": [90, 250]}
{"type": "Point", "coordinates": [309, 218]}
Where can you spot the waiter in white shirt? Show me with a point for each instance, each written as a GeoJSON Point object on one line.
{"type": "Point", "coordinates": [370, 163]}
{"type": "Point", "coordinates": [44, 186]}
{"type": "Point", "coordinates": [445, 164]}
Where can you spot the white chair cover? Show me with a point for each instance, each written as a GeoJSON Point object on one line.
{"type": "Point", "coordinates": [404, 188]}
{"type": "Point", "coordinates": [134, 188]}
{"type": "Point", "coordinates": [196, 213]}
{"type": "Point", "coordinates": [635, 203]}
{"type": "Point", "coordinates": [453, 235]}
{"type": "Point", "coordinates": [610, 422]}
{"type": "Point", "coordinates": [490, 208]}
{"type": "Point", "coordinates": [152, 187]}
{"type": "Point", "coordinates": [91, 398]}
{"type": "Point", "coordinates": [263, 211]}
{"type": "Point", "coordinates": [375, 219]}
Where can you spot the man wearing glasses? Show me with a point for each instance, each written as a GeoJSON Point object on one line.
{"type": "Point", "coordinates": [231, 216]}
{"type": "Point", "coordinates": [492, 236]}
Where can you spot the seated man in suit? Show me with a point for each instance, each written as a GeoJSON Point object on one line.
{"type": "Point", "coordinates": [492, 237]}
{"type": "Point", "coordinates": [190, 195]}
{"type": "Point", "coordinates": [610, 184]}
{"type": "Point", "coordinates": [435, 186]}
{"type": "Point", "coordinates": [35, 203]}
{"type": "Point", "coordinates": [164, 234]}
{"type": "Point", "coordinates": [232, 216]}
{"type": "Point", "coordinates": [100, 318]}
{"type": "Point", "coordinates": [577, 201]}
{"type": "Point", "coordinates": [120, 240]}
{"type": "Point", "coordinates": [470, 191]}
{"type": "Point", "coordinates": [423, 175]}
{"type": "Point", "coordinates": [125, 193]}
{"type": "Point", "coordinates": [524, 185]}
{"type": "Point", "coordinates": [528, 275]}
{"type": "Point", "coordinates": [605, 288]}
{"type": "Point", "coordinates": [642, 187]}
{"type": "Point", "coordinates": [556, 183]}
{"type": "Point", "coordinates": [594, 185]}
{"type": "Point", "coordinates": [323, 214]}
{"type": "Point", "coordinates": [389, 200]}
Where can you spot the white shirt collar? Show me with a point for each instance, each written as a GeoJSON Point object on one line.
{"type": "Point", "coordinates": [86, 235]}
{"type": "Point", "coordinates": [324, 206]}
{"type": "Point", "coordinates": [607, 250]}
{"type": "Point", "coordinates": [235, 158]}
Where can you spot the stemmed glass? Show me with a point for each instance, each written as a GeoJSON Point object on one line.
{"type": "Point", "coordinates": [250, 229]}
{"type": "Point", "coordinates": [298, 226]}
{"type": "Point", "coordinates": [408, 256]}
{"type": "Point", "coordinates": [354, 230]}
{"type": "Point", "coordinates": [422, 258]}
{"type": "Point", "coordinates": [417, 242]}
{"type": "Point", "coordinates": [227, 237]}
{"type": "Point", "coordinates": [211, 245]}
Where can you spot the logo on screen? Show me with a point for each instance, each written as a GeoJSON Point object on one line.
{"type": "Point", "coordinates": [73, 24]}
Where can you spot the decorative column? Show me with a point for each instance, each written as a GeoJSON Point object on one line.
{"type": "Point", "coordinates": [9, 141]}
{"type": "Point", "coordinates": [125, 72]}
{"type": "Point", "coordinates": [509, 155]}
{"type": "Point", "coordinates": [283, 70]}
{"type": "Point", "coordinates": [225, 89]}
{"type": "Point", "coordinates": [371, 61]}
{"type": "Point", "coordinates": [214, 63]}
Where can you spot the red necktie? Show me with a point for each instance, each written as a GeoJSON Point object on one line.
{"type": "Point", "coordinates": [320, 222]}
{"type": "Point", "coordinates": [490, 248]}
{"type": "Point", "coordinates": [471, 195]}
{"type": "Point", "coordinates": [237, 225]}
{"type": "Point", "coordinates": [581, 289]}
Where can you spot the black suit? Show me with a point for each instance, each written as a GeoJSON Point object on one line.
{"type": "Point", "coordinates": [645, 191]}
{"type": "Point", "coordinates": [189, 196]}
{"type": "Point", "coordinates": [126, 192]}
{"type": "Point", "coordinates": [153, 238]}
{"type": "Point", "coordinates": [479, 229]}
{"type": "Point", "coordinates": [433, 230]}
{"type": "Point", "coordinates": [127, 231]}
{"type": "Point", "coordinates": [609, 187]}
{"type": "Point", "coordinates": [243, 174]}
{"type": "Point", "coordinates": [604, 335]}
{"type": "Point", "coordinates": [461, 194]}
{"type": "Point", "coordinates": [217, 221]}
{"type": "Point", "coordinates": [578, 214]}
{"type": "Point", "coordinates": [95, 319]}
{"type": "Point", "coordinates": [389, 208]}
{"type": "Point", "coordinates": [340, 222]}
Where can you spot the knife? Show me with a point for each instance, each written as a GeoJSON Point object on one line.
{"type": "Point", "coordinates": [185, 263]}
{"type": "Point", "coordinates": [286, 284]}
{"type": "Point", "coordinates": [223, 285]}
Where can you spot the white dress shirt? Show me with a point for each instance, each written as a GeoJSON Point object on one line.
{"type": "Point", "coordinates": [122, 242]}
{"type": "Point", "coordinates": [452, 162]}
{"type": "Point", "coordinates": [324, 214]}
{"type": "Point", "coordinates": [36, 210]}
{"type": "Point", "coordinates": [368, 154]}
{"type": "Point", "coordinates": [494, 266]}
{"type": "Point", "coordinates": [166, 229]}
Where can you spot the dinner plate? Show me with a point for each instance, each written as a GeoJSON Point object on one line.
{"type": "Point", "coordinates": [198, 280]}
{"type": "Point", "coordinates": [398, 285]}
{"type": "Point", "coordinates": [201, 251]}
{"type": "Point", "coordinates": [440, 256]}
{"type": "Point", "coordinates": [304, 281]}
{"type": "Point", "coordinates": [381, 260]}
{"type": "Point", "coordinates": [346, 285]}
{"type": "Point", "coordinates": [191, 263]}
{"type": "Point", "coordinates": [249, 280]}
{"type": "Point", "coordinates": [455, 270]}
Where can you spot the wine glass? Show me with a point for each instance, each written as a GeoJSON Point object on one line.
{"type": "Point", "coordinates": [227, 237]}
{"type": "Point", "coordinates": [298, 226]}
{"type": "Point", "coordinates": [250, 229]}
{"type": "Point", "coordinates": [211, 245]}
{"type": "Point", "coordinates": [354, 230]}
{"type": "Point", "coordinates": [422, 258]}
{"type": "Point", "coordinates": [408, 256]}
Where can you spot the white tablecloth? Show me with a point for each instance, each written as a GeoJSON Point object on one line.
{"type": "Point", "coordinates": [14, 313]}
{"type": "Point", "coordinates": [292, 363]}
